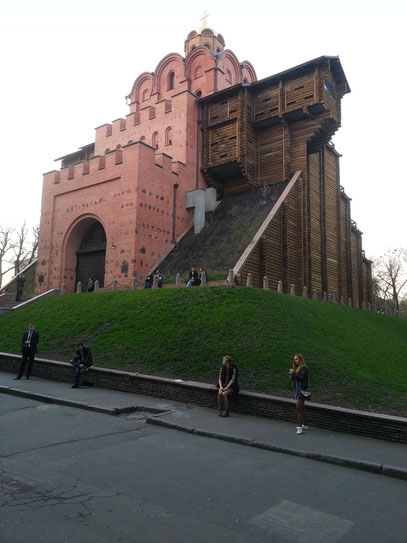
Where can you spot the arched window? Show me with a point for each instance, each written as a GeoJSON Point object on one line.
{"type": "Point", "coordinates": [143, 138]}
{"type": "Point", "coordinates": [171, 77]}
{"type": "Point", "coordinates": [228, 76]}
{"type": "Point", "coordinates": [168, 136]}
{"type": "Point", "coordinates": [144, 96]}
{"type": "Point", "coordinates": [198, 72]}
{"type": "Point", "coordinates": [198, 93]}
{"type": "Point", "coordinates": [154, 140]}
{"type": "Point", "coordinates": [118, 147]}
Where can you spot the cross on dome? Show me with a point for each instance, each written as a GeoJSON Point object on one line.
{"type": "Point", "coordinates": [204, 19]}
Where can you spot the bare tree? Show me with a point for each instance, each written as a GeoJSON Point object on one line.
{"type": "Point", "coordinates": [390, 275]}
{"type": "Point", "coordinates": [6, 233]}
{"type": "Point", "coordinates": [24, 252]}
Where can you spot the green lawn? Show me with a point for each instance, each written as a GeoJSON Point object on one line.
{"type": "Point", "coordinates": [356, 358]}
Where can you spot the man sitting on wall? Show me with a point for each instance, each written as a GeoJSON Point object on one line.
{"type": "Point", "coordinates": [193, 278]}
{"type": "Point", "coordinates": [82, 361]}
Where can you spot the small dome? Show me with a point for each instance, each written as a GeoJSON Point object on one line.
{"type": "Point", "coordinates": [207, 32]}
{"type": "Point", "coordinates": [204, 36]}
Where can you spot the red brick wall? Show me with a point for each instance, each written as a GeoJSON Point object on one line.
{"type": "Point", "coordinates": [128, 186]}
{"type": "Point", "coordinates": [131, 196]}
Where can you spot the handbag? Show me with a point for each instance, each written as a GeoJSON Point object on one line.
{"type": "Point", "coordinates": [305, 394]}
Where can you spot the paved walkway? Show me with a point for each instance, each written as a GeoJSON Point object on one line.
{"type": "Point", "coordinates": [349, 450]}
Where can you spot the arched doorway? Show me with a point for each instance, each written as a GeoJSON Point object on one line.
{"type": "Point", "coordinates": [91, 255]}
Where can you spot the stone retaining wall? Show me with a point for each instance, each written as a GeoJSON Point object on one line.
{"type": "Point", "coordinates": [250, 403]}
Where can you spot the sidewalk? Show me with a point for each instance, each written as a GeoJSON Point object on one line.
{"type": "Point", "coordinates": [348, 450]}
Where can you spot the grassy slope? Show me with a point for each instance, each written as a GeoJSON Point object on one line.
{"type": "Point", "coordinates": [356, 358]}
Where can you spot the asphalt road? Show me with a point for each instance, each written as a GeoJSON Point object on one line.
{"type": "Point", "coordinates": [70, 475]}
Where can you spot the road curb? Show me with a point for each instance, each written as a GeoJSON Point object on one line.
{"type": "Point", "coordinates": [52, 399]}
{"type": "Point", "coordinates": [352, 463]}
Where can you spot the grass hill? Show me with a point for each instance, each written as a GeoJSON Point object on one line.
{"type": "Point", "coordinates": [356, 358]}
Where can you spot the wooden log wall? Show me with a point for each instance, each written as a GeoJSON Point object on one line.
{"type": "Point", "coordinates": [345, 231]}
{"type": "Point", "coordinates": [270, 130]}
{"type": "Point", "coordinates": [315, 225]}
{"type": "Point", "coordinates": [291, 238]}
{"type": "Point", "coordinates": [248, 138]}
{"type": "Point", "coordinates": [267, 102]}
{"type": "Point", "coordinates": [223, 143]}
{"type": "Point", "coordinates": [368, 278]}
{"type": "Point", "coordinates": [356, 256]}
{"type": "Point", "coordinates": [271, 145]}
{"type": "Point", "coordinates": [274, 259]}
{"type": "Point", "coordinates": [333, 253]}
{"type": "Point", "coordinates": [299, 92]}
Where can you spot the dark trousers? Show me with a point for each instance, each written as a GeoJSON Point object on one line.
{"type": "Point", "coordinates": [29, 355]}
{"type": "Point", "coordinates": [19, 294]}
{"type": "Point", "coordinates": [77, 365]}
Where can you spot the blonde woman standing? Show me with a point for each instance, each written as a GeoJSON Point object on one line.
{"type": "Point", "coordinates": [299, 375]}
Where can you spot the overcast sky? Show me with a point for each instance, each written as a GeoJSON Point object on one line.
{"type": "Point", "coordinates": [66, 67]}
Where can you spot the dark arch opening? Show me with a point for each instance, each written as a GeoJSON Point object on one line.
{"type": "Point", "coordinates": [91, 256]}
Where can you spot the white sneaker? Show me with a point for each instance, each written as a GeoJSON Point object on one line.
{"type": "Point", "coordinates": [299, 430]}
{"type": "Point", "coordinates": [304, 427]}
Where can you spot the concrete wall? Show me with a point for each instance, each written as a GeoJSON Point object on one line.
{"type": "Point", "coordinates": [249, 403]}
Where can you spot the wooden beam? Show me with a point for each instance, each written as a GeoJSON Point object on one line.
{"type": "Point", "coordinates": [252, 245]}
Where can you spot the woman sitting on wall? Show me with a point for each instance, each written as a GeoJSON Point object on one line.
{"type": "Point", "coordinates": [227, 384]}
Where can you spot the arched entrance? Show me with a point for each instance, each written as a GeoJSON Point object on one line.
{"type": "Point", "coordinates": [84, 253]}
{"type": "Point", "coordinates": [91, 255]}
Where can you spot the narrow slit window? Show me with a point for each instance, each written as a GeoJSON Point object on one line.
{"type": "Point", "coordinates": [171, 78]}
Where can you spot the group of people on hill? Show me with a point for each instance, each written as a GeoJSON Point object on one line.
{"type": "Point", "coordinates": [195, 279]}
{"type": "Point", "coordinates": [227, 383]}
{"type": "Point", "coordinates": [149, 279]}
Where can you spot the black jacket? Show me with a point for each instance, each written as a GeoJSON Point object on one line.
{"type": "Point", "coordinates": [86, 356]}
{"type": "Point", "coordinates": [226, 376]}
{"type": "Point", "coordinates": [35, 339]}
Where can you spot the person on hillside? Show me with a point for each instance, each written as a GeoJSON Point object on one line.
{"type": "Point", "coordinates": [201, 272]}
{"type": "Point", "coordinates": [20, 287]}
{"type": "Point", "coordinates": [29, 344]}
{"type": "Point", "coordinates": [227, 384]}
{"type": "Point", "coordinates": [299, 375]}
{"type": "Point", "coordinates": [91, 285]}
{"type": "Point", "coordinates": [193, 278]}
{"type": "Point", "coordinates": [160, 278]}
{"type": "Point", "coordinates": [82, 361]}
{"type": "Point", "coordinates": [148, 281]}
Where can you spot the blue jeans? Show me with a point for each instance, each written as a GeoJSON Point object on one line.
{"type": "Point", "coordinates": [77, 365]}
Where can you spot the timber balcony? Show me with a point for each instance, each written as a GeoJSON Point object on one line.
{"type": "Point", "coordinates": [248, 129]}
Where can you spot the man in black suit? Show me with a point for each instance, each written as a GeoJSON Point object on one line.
{"type": "Point", "coordinates": [28, 349]}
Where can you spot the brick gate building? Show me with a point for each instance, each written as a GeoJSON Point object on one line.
{"type": "Point", "coordinates": [198, 128]}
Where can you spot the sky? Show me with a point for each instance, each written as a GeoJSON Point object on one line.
{"type": "Point", "coordinates": [67, 66]}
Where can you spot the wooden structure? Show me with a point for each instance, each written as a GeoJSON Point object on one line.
{"type": "Point", "coordinates": [262, 133]}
